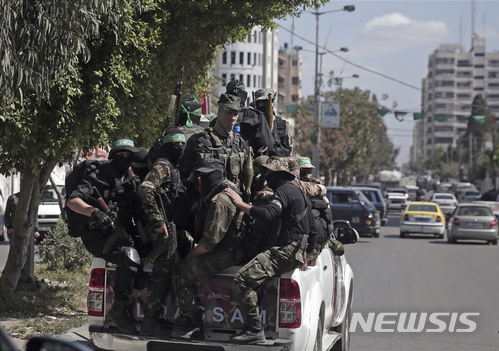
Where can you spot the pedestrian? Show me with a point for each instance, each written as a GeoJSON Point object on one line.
{"type": "Point", "coordinates": [218, 248]}
{"type": "Point", "coordinates": [110, 233]}
{"type": "Point", "coordinates": [158, 192]}
{"type": "Point", "coordinates": [10, 209]}
{"type": "Point", "coordinates": [287, 251]}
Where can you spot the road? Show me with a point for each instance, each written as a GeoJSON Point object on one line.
{"type": "Point", "coordinates": [424, 274]}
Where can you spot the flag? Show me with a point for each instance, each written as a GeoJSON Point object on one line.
{"type": "Point", "coordinates": [292, 108]}
{"type": "Point", "coordinates": [461, 117]}
{"type": "Point", "coordinates": [479, 119]}
{"type": "Point", "coordinates": [382, 111]}
{"type": "Point", "coordinates": [417, 116]}
{"type": "Point", "coordinates": [440, 118]}
{"type": "Point", "coordinates": [399, 114]}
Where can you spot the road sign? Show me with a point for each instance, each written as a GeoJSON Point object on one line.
{"type": "Point", "coordinates": [330, 114]}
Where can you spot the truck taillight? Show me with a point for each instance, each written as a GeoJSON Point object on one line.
{"type": "Point", "coordinates": [290, 304]}
{"type": "Point", "coordinates": [439, 219]}
{"type": "Point", "coordinates": [96, 292]}
{"type": "Point", "coordinates": [494, 222]}
{"type": "Point", "coordinates": [456, 221]}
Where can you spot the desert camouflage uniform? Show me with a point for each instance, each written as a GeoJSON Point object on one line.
{"type": "Point", "coordinates": [222, 218]}
{"type": "Point", "coordinates": [162, 175]}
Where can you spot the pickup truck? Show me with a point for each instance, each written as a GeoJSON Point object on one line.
{"type": "Point", "coordinates": [301, 310]}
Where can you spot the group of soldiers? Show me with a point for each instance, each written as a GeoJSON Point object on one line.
{"type": "Point", "coordinates": [199, 201]}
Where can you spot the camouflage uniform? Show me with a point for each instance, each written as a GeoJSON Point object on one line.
{"type": "Point", "coordinates": [163, 180]}
{"type": "Point", "coordinates": [287, 253]}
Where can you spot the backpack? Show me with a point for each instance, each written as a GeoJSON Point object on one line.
{"type": "Point", "coordinates": [75, 221]}
{"type": "Point", "coordinates": [323, 218]}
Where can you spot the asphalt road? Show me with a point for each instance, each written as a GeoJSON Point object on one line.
{"type": "Point", "coordinates": [422, 274]}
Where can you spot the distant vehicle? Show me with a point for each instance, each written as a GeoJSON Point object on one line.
{"type": "Point", "coordinates": [469, 195]}
{"type": "Point", "coordinates": [375, 196]}
{"type": "Point", "coordinates": [371, 185]}
{"type": "Point", "coordinates": [403, 191]}
{"type": "Point", "coordinates": [49, 211]}
{"type": "Point", "coordinates": [447, 202]}
{"type": "Point", "coordinates": [350, 204]}
{"type": "Point", "coordinates": [396, 202]}
{"type": "Point", "coordinates": [472, 222]}
{"type": "Point", "coordinates": [422, 218]}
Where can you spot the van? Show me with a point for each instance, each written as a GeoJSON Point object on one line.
{"type": "Point", "coordinates": [375, 196]}
{"type": "Point", "coordinates": [350, 204]}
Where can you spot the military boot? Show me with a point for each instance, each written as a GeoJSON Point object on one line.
{"type": "Point", "coordinates": [151, 326]}
{"type": "Point", "coordinates": [252, 333]}
{"type": "Point", "coordinates": [192, 329]}
{"type": "Point", "coordinates": [119, 315]}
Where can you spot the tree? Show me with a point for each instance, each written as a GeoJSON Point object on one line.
{"type": "Point", "coordinates": [358, 147]}
{"type": "Point", "coordinates": [78, 74]}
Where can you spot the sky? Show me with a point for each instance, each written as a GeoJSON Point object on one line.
{"type": "Point", "coordinates": [392, 38]}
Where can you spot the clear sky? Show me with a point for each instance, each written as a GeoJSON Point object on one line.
{"type": "Point", "coordinates": [393, 38]}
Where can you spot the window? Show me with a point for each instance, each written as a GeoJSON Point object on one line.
{"type": "Point", "coordinates": [241, 58]}
{"type": "Point", "coordinates": [443, 140]}
{"type": "Point", "coordinates": [249, 38]}
{"type": "Point", "coordinates": [463, 74]}
{"type": "Point", "coordinates": [254, 59]}
{"type": "Point", "coordinates": [463, 84]}
{"type": "Point", "coordinates": [444, 71]}
{"type": "Point", "coordinates": [463, 63]}
{"type": "Point", "coordinates": [443, 128]}
{"type": "Point", "coordinates": [493, 74]}
{"type": "Point", "coordinates": [449, 95]}
{"type": "Point", "coordinates": [249, 58]}
{"type": "Point", "coordinates": [479, 54]}
{"type": "Point", "coordinates": [295, 63]}
{"type": "Point", "coordinates": [294, 98]}
{"type": "Point", "coordinates": [281, 63]}
{"type": "Point", "coordinates": [444, 83]}
{"type": "Point", "coordinates": [259, 59]}
{"type": "Point", "coordinates": [447, 60]}
{"type": "Point", "coordinates": [463, 96]}
{"type": "Point", "coordinates": [280, 80]}
{"type": "Point", "coordinates": [224, 57]}
{"type": "Point", "coordinates": [232, 57]}
{"type": "Point", "coordinates": [254, 80]}
{"type": "Point", "coordinates": [479, 66]}
{"type": "Point", "coordinates": [478, 89]}
{"type": "Point", "coordinates": [479, 77]}
{"type": "Point", "coordinates": [224, 78]}
{"type": "Point", "coordinates": [259, 81]}
{"type": "Point", "coordinates": [295, 80]}
{"type": "Point", "coordinates": [241, 78]}
{"type": "Point", "coordinates": [232, 76]}
{"type": "Point", "coordinates": [248, 80]}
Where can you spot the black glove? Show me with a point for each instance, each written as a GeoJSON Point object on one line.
{"type": "Point", "coordinates": [102, 221]}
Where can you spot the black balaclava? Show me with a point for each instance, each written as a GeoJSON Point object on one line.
{"type": "Point", "coordinates": [167, 146]}
{"type": "Point", "coordinates": [210, 180]}
{"type": "Point", "coordinates": [274, 179]}
{"type": "Point", "coordinates": [121, 163]}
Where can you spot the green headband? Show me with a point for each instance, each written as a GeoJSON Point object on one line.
{"type": "Point", "coordinates": [305, 161]}
{"type": "Point", "coordinates": [223, 108]}
{"type": "Point", "coordinates": [172, 138]}
{"type": "Point", "coordinates": [122, 142]}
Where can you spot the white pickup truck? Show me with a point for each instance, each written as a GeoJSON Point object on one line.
{"type": "Point", "coordinates": [301, 310]}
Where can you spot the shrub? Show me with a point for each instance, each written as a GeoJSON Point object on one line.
{"type": "Point", "coordinates": [61, 251]}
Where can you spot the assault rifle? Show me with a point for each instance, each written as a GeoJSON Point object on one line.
{"type": "Point", "coordinates": [119, 232]}
{"type": "Point", "coordinates": [175, 107]}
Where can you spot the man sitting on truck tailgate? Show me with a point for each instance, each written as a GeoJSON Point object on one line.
{"type": "Point", "coordinates": [287, 253]}
{"type": "Point", "coordinates": [218, 221]}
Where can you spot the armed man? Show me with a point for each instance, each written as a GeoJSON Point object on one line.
{"type": "Point", "coordinates": [219, 222]}
{"type": "Point", "coordinates": [157, 194]}
{"type": "Point", "coordinates": [219, 142]}
{"type": "Point", "coordinates": [288, 250]}
{"type": "Point", "coordinates": [102, 208]}
{"type": "Point", "coordinates": [190, 116]}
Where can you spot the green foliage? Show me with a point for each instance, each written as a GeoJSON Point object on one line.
{"type": "Point", "coordinates": [60, 251]}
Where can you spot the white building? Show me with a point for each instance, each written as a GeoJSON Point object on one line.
{"type": "Point", "coordinates": [454, 78]}
{"type": "Point", "coordinates": [253, 62]}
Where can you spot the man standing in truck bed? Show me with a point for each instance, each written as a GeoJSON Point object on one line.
{"type": "Point", "coordinates": [288, 251]}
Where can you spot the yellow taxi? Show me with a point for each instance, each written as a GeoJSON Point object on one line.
{"type": "Point", "coordinates": [421, 217]}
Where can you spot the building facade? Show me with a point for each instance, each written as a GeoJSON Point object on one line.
{"type": "Point", "coordinates": [254, 62]}
{"type": "Point", "coordinates": [454, 78]}
{"type": "Point", "coordinates": [290, 77]}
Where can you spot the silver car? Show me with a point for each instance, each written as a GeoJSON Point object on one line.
{"type": "Point", "coordinates": [472, 222]}
{"type": "Point", "coordinates": [447, 202]}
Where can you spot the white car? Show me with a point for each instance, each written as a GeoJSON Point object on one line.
{"type": "Point", "coordinates": [396, 202]}
{"type": "Point", "coordinates": [446, 201]}
{"type": "Point", "coordinates": [469, 195]}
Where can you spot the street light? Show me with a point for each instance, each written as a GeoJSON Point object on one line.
{"type": "Point", "coordinates": [316, 130]}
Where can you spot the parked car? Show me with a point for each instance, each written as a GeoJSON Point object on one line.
{"type": "Point", "coordinates": [49, 211]}
{"type": "Point", "coordinates": [472, 222]}
{"type": "Point", "coordinates": [375, 196]}
{"type": "Point", "coordinates": [351, 205]}
{"type": "Point", "coordinates": [422, 218]}
{"type": "Point", "coordinates": [446, 201]}
{"type": "Point", "coordinates": [469, 195]}
{"type": "Point", "coordinates": [396, 202]}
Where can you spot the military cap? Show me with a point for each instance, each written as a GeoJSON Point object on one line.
{"type": "Point", "coordinates": [172, 135]}
{"type": "Point", "coordinates": [278, 165]}
{"type": "Point", "coordinates": [234, 85]}
{"type": "Point", "coordinates": [260, 161]}
{"type": "Point", "coordinates": [139, 158]}
{"type": "Point", "coordinates": [229, 103]}
{"type": "Point", "coordinates": [263, 94]}
{"type": "Point", "coordinates": [306, 163]}
{"type": "Point", "coordinates": [122, 144]}
{"type": "Point", "coordinates": [211, 164]}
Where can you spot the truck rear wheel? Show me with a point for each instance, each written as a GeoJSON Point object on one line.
{"type": "Point", "coordinates": [344, 343]}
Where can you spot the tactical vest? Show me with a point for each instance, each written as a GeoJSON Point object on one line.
{"type": "Point", "coordinates": [169, 191]}
{"type": "Point", "coordinates": [282, 144]}
{"type": "Point", "coordinates": [232, 154]}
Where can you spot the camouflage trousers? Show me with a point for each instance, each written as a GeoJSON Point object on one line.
{"type": "Point", "coordinates": [264, 266]}
{"type": "Point", "coordinates": [159, 281]}
{"type": "Point", "coordinates": [199, 269]}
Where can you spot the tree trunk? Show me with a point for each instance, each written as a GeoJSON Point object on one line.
{"type": "Point", "coordinates": [24, 220]}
